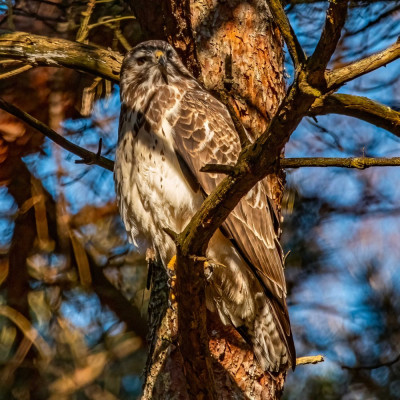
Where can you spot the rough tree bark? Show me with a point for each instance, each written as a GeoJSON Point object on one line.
{"type": "Point", "coordinates": [236, 48]}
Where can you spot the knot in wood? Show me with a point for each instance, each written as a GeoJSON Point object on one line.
{"type": "Point", "coordinates": [358, 163]}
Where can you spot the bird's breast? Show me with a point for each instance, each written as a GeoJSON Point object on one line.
{"type": "Point", "coordinates": [152, 192]}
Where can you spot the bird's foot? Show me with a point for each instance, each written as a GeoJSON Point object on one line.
{"type": "Point", "coordinates": [208, 265]}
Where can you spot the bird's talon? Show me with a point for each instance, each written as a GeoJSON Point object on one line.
{"type": "Point", "coordinates": [208, 269]}
{"type": "Point", "coordinates": [171, 283]}
{"type": "Point", "coordinates": [171, 267]}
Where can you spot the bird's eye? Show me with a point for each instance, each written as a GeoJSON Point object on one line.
{"type": "Point", "coordinates": [141, 60]}
{"type": "Point", "coordinates": [169, 53]}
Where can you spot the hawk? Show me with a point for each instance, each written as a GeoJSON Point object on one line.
{"type": "Point", "coordinates": [170, 127]}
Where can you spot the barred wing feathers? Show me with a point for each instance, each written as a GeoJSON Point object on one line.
{"type": "Point", "coordinates": [204, 133]}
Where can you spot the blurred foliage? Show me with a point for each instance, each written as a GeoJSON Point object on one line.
{"type": "Point", "coordinates": [73, 298]}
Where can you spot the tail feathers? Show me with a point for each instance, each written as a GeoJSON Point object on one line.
{"type": "Point", "coordinates": [273, 349]}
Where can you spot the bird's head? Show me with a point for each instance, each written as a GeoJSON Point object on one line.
{"type": "Point", "coordinates": [151, 64]}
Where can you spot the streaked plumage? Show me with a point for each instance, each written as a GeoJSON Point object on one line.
{"type": "Point", "coordinates": [169, 128]}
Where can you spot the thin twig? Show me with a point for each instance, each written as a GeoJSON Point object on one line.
{"type": "Point", "coordinates": [91, 160]}
{"type": "Point", "coordinates": [110, 20]}
{"type": "Point", "coordinates": [15, 71]}
{"type": "Point", "coordinates": [355, 162]}
{"type": "Point", "coordinates": [374, 366]}
{"type": "Point", "coordinates": [10, 61]}
{"type": "Point", "coordinates": [87, 155]}
{"type": "Point", "coordinates": [84, 27]}
{"type": "Point", "coordinates": [122, 39]}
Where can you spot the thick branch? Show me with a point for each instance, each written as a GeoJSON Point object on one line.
{"type": "Point", "coordinates": [359, 107]}
{"type": "Point", "coordinates": [355, 162]}
{"type": "Point", "coordinates": [338, 77]}
{"type": "Point", "coordinates": [292, 43]}
{"type": "Point", "coordinates": [334, 22]}
{"type": "Point", "coordinates": [44, 51]}
{"type": "Point", "coordinates": [88, 156]}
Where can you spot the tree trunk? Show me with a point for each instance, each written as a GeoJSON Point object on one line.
{"type": "Point", "coordinates": [235, 46]}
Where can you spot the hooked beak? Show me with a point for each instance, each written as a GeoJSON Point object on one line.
{"type": "Point", "coordinates": [162, 62]}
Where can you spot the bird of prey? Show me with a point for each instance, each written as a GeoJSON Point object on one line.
{"type": "Point", "coordinates": [170, 127]}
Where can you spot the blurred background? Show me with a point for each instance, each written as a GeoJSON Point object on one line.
{"type": "Point", "coordinates": [74, 291]}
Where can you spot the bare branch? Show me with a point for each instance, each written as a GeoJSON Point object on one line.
{"type": "Point", "coordinates": [83, 29]}
{"type": "Point", "coordinates": [377, 20]}
{"type": "Point", "coordinates": [334, 22]}
{"type": "Point", "coordinates": [109, 21]}
{"type": "Point", "coordinates": [374, 366]}
{"type": "Point", "coordinates": [87, 155]}
{"type": "Point", "coordinates": [296, 52]}
{"type": "Point", "coordinates": [340, 76]}
{"type": "Point", "coordinates": [16, 71]}
{"type": "Point", "coordinates": [309, 360]}
{"type": "Point", "coordinates": [38, 50]}
{"type": "Point", "coordinates": [358, 107]}
{"type": "Point", "coordinates": [354, 162]}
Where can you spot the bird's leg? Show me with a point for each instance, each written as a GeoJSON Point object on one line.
{"type": "Point", "coordinates": [171, 267]}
